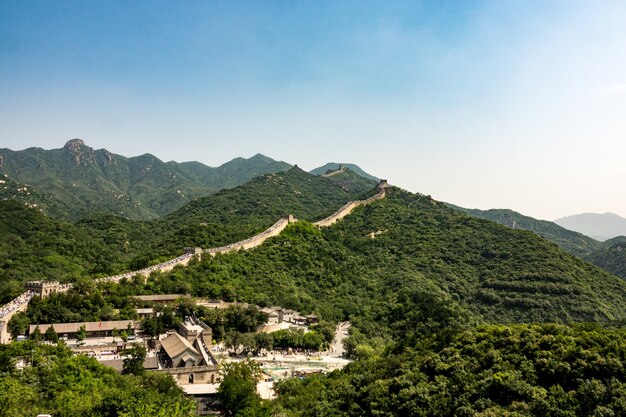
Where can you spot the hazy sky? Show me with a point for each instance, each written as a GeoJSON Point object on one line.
{"type": "Point", "coordinates": [516, 104]}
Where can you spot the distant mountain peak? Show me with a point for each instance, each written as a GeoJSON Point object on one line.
{"type": "Point", "coordinates": [74, 144]}
{"type": "Point", "coordinates": [599, 226]}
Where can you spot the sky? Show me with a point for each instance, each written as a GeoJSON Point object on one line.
{"type": "Point", "coordinates": [484, 104]}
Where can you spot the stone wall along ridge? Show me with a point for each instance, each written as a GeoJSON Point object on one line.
{"type": "Point", "coordinates": [351, 205]}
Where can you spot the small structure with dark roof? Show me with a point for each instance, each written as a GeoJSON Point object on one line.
{"type": "Point", "coordinates": [186, 354]}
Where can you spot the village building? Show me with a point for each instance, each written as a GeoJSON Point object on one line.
{"type": "Point", "coordinates": [144, 313]}
{"type": "Point", "coordinates": [272, 315]}
{"type": "Point", "coordinates": [186, 354]}
{"type": "Point", "coordinates": [93, 328]}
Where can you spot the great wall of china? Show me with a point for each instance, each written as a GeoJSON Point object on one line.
{"type": "Point", "coordinates": [21, 303]}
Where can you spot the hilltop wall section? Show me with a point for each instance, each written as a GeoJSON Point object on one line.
{"type": "Point", "coordinates": [256, 240]}
{"type": "Point", "coordinates": [332, 172]}
{"type": "Point", "coordinates": [351, 205]}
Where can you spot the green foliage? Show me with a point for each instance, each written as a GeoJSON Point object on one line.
{"type": "Point", "coordinates": [51, 335]}
{"type": "Point", "coordinates": [611, 256]}
{"type": "Point", "coordinates": [81, 334]}
{"type": "Point", "coordinates": [520, 370]}
{"type": "Point", "coordinates": [607, 255]}
{"type": "Point", "coordinates": [18, 325]}
{"type": "Point", "coordinates": [79, 180]}
{"type": "Point", "coordinates": [573, 242]}
{"type": "Point", "coordinates": [232, 319]}
{"type": "Point", "coordinates": [57, 383]}
{"type": "Point", "coordinates": [237, 390]}
{"type": "Point", "coordinates": [35, 246]}
{"type": "Point", "coordinates": [133, 362]}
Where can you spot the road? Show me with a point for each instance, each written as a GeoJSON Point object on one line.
{"type": "Point", "coordinates": [341, 333]}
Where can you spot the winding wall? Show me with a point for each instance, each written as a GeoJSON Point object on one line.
{"type": "Point", "coordinates": [20, 303]}
{"type": "Point", "coordinates": [351, 205]}
{"type": "Point", "coordinates": [254, 241]}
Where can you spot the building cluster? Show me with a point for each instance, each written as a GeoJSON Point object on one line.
{"type": "Point", "coordinates": [277, 315]}
{"type": "Point", "coordinates": [186, 354]}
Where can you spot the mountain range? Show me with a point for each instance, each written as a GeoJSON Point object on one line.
{"type": "Point", "coordinates": [383, 255]}
{"type": "Point", "coordinates": [450, 313]}
{"type": "Point", "coordinates": [76, 180]}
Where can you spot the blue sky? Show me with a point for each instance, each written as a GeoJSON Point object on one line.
{"type": "Point", "coordinates": [516, 104]}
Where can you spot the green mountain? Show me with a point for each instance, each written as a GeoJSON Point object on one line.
{"type": "Point", "coordinates": [30, 197]}
{"type": "Point", "coordinates": [333, 166]}
{"type": "Point", "coordinates": [85, 180]}
{"type": "Point", "coordinates": [521, 371]}
{"type": "Point", "coordinates": [34, 246]}
{"type": "Point", "coordinates": [573, 242]}
{"type": "Point", "coordinates": [405, 242]}
{"type": "Point", "coordinates": [599, 226]}
{"type": "Point", "coordinates": [382, 261]}
{"type": "Point", "coordinates": [611, 256]}
{"type": "Point", "coordinates": [607, 255]}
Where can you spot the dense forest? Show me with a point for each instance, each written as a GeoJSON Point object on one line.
{"type": "Point", "coordinates": [35, 246]}
{"type": "Point", "coordinates": [607, 255]}
{"type": "Point", "coordinates": [443, 305]}
{"type": "Point", "coordinates": [62, 384]}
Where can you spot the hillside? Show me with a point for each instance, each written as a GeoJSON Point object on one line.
{"type": "Point", "coordinates": [405, 242]}
{"type": "Point", "coordinates": [35, 246]}
{"type": "Point", "coordinates": [84, 180]}
{"type": "Point", "coordinates": [516, 371]}
{"type": "Point", "coordinates": [390, 265]}
{"type": "Point", "coordinates": [611, 256]}
{"type": "Point", "coordinates": [573, 242]}
{"type": "Point", "coordinates": [414, 277]}
{"type": "Point", "coordinates": [607, 255]}
{"type": "Point", "coordinates": [30, 197]}
{"type": "Point", "coordinates": [598, 226]}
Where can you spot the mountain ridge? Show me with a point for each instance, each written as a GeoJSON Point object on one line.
{"type": "Point", "coordinates": [599, 226]}
{"type": "Point", "coordinates": [139, 187]}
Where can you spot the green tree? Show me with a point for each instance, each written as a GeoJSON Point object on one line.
{"type": "Point", "coordinates": [264, 341]}
{"type": "Point", "coordinates": [81, 334]}
{"type": "Point", "coordinates": [50, 335]}
{"type": "Point", "coordinates": [237, 391]}
{"type": "Point", "coordinates": [17, 398]}
{"type": "Point", "coordinates": [152, 326]}
{"type": "Point", "coordinates": [36, 335]}
{"type": "Point", "coordinates": [18, 325]}
{"type": "Point", "coordinates": [133, 362]}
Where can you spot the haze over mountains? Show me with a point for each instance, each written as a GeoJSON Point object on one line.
{"type": "Point", "coordinates": [598, 226]}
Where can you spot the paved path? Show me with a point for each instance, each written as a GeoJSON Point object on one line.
{"type": "Point", "coordinates": [341, 333]}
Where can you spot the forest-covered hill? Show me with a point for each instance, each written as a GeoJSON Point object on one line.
{"type": "Point", "coordinates": [82, 180]}
{"type": "Point", "coordinates": [608, 255]}
{"type": "Point", "coordinates": [378, 256]}
{"type": "Point", "coordinates": [35, 246]}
